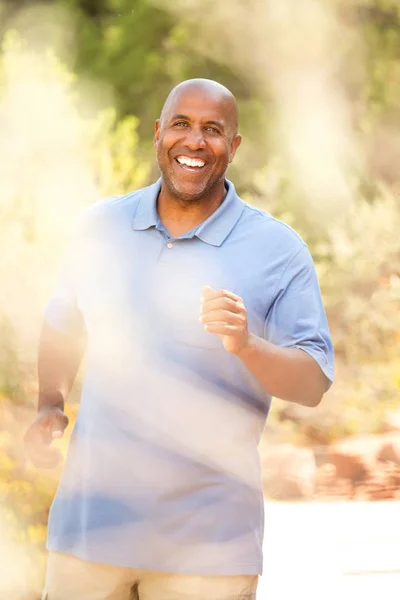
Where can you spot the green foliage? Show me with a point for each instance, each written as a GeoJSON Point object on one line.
{"type": "Point", "coordinates": [78, 102]}
{"type": "Point", "coordinates": [114, 156]}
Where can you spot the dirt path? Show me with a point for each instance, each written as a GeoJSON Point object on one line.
{"type": "Point", "coordinates": [331, 551]}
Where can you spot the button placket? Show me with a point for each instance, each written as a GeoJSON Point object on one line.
{"type": "Point", "coordinates": [167, 246]}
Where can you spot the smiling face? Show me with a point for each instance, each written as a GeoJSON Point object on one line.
{"type": "Point", "coordinates": [195, 140]}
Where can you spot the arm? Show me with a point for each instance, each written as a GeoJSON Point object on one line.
{"type": "Point", "coordinates": [59, 358]}
{"type": "Point", "coordinates": [286, 373]}
{"type": "Point", "coordinates": [294, 358]}
{"type": "Point", "coordinates": [61, 347]}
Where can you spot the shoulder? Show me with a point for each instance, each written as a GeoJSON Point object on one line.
{"type": "Point", "coordinates": [269, 234]}
{"type": "Point", "coordinates": [113, 206]}
{"type": "Point", "coordinates": [262, 221]}
{"type": "Point", "coordinates": [111, 210]}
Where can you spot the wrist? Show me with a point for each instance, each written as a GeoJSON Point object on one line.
{"type": "Point", "coordinates": [49, 401]}
{"type": "Point", "coordinates": [248, 348]}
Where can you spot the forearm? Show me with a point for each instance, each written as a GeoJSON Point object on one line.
{"type": "Point", "coordinates": [286, 373]}
{"type": "Point", "coordinates": [58, 362]}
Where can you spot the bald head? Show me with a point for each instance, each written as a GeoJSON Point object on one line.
{"type": "Point", "coordinates": [209, 89]}
{"type": "Point", "coordinates": [199, 123]}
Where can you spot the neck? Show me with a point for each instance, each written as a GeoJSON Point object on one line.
{"type": "Point", "coordinates": [179, 216]}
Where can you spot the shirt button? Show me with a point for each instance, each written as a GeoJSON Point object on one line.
{"type": "Point", "coordinates": [170, 245]}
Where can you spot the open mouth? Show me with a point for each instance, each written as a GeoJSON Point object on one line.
{"type": "Point", "coordinates": [192, 165]}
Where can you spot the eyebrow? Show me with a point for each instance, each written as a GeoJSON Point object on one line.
{"type": "Point", "coordinates": [217, 123]}
{"type": "Point", "coordinates": [186, 118]}
{"type": "Point", "coordinates": [183, 117]}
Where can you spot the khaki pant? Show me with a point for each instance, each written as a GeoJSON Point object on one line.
{"type": "Point", "coordinates": [70, 578]}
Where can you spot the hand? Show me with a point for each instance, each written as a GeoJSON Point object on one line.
{"type": "Point", "coordinates": [49, 425]}
{"type": "Point", "coordinates": [224, 313]}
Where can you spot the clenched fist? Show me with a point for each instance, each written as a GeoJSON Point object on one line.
{"type": "Point", "coordinates": [49, 425]}
{"type": "Point", "coordinates": [223, 312]}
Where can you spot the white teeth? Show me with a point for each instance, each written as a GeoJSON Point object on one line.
{"type": "Point", "coordinates": [190, 162]}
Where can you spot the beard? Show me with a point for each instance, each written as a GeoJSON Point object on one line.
{"type": "Point", "coordinates": [178, 190]}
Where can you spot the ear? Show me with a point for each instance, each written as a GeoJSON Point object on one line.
{"type": "Point", "coordinates": [237, 140]}
{"type": "Point", "coordinates": [157, 132]}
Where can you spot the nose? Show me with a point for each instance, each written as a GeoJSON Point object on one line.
{"type": "Point", "coordinates": [195, 139]}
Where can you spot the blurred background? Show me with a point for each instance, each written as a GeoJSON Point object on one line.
{"type": "Point", "coordinates": [318, 87]}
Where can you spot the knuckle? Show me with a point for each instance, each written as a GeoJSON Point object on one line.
{"type": "Point", "coordinates": [232, 304]}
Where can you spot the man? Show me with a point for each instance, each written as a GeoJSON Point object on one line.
{"type": "Point", "coordinates": [195, 308]}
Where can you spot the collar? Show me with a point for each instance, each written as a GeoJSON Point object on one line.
{"type": "Point", "coordinates": [213, 230]}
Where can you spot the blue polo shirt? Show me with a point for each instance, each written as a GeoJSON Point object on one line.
{"type": "Point", "coordinates": [163, 471]}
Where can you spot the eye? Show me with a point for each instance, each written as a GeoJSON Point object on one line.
{"type": "Point", "coordinates": [211, 129]}
{"type": "Point", "coordinates": [180, 124]}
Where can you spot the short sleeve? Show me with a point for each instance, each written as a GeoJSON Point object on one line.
{"type": "Point", "coordinates": [296, 318]}
{"type": "Point", "coordinates": [62, 312]}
